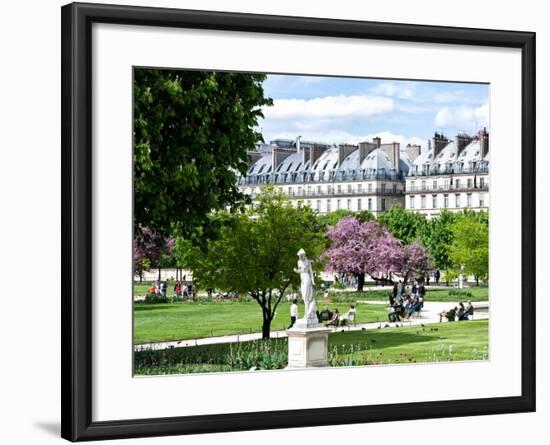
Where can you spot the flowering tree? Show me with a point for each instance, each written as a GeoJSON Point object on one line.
{"type": "Point", "coordinates": [416, 262]}
{"type": "Point", "coordinates": [149, 250]}
{"type": "Point", "coordinates": [361, 248]}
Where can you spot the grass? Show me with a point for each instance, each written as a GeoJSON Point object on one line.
{"type": "Point", "coordinates": [475, 293]}
{"type": "Point", "coordinates": [185, 320]}
{"type": "Point", "coordinates": [442, 342]}
{"type": "Point", "coordinates": [444, 295]}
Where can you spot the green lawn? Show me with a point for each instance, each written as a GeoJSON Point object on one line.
{"type": "Point", "coordinates": [439, 342]}
{"type": "Point", "coordinates": [184, 320]}
{"type": "Point", "coordinates": [475, 293]}
{"type": "Point", "coordinates": [472, 293]}
{"type": "Point", "coordinates": [465, 340]}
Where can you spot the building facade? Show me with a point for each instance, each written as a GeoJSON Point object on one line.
{"type": "Point", "coordinates": [452, 175]}
{"type": "Point", "coordinates": [373, 175]}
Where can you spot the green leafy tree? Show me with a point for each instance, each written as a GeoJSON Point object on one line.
{"type": "Point", "coordinates": [469, 251]}
{"type": "Point", "coordinates": [327, 220]}
{"type": "Point", "coordinates": [437, 236]}
{"type": "Point", "coordinates": [192, 131]}
{"type": "Point", "coordinates": [255, 252]}
{"type": "Point", "coordinates": [404, 225]}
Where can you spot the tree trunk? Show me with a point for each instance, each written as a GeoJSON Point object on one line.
{"type": "Point", "coordinates": [159, 274]}
{"type": "Point", "coordinates": [360, 282]}
{"type": "Point", "coordinates": [266, 328]}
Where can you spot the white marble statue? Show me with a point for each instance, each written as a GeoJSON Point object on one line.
{"type": "Point", "coordinates": [306, 287]}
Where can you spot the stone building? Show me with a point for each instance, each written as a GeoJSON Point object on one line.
{"type": "Point", "coordinates": [451, 175]}
{"type": "Point", "coordinates": [366, 176]}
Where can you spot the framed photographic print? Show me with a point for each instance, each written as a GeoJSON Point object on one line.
{"type": "Point", "coordinates": [288, 221]}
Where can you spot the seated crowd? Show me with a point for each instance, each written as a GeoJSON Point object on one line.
{"type": "Point", "coordinates": [459, 312]}
{"type": "Point", "coordinates": [333, 318]}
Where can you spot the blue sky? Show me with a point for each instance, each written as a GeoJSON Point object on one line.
{"type": "Point", "coordinates": [338, 109]}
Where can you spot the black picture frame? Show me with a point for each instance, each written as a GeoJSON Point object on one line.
{"type": "Point", "coordinates": [76, 118]}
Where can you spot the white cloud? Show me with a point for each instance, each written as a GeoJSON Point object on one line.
{"type": "Point", "coordinates": [463, 117]}
{"type": "Point", "coordinates": [334, 136]}
{"type": "Point", "coordinates": [394, 89]}
{"type": "Point", "coordinates": [329, 107]}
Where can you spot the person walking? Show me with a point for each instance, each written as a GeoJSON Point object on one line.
{"type": "Point", "coordinates": [293, 313]}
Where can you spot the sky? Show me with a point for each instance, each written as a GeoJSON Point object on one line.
{"type": "Point", "coordinates": [340, 110]}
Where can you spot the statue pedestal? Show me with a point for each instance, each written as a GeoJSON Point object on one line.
{"type": "Point", "coordinates": [307, 345]}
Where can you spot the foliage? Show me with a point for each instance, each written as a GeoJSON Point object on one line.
{"type": "Point", "coordinates": [327, 220]}
{"type": "Point", "coordinates": [469, 250]}
{"type": "Point", "coordinates": [404, 225]}
{"type": "Point", "coordinates": [149, 250]}
{"type": "Point", "coordinates": [255, 251]}
{"type": "Point", "coordinates": [437, 237]}
{"type": "Point", "coordinates": [192, 131]}
{"type": "Point", "coordinates": [361, 248]}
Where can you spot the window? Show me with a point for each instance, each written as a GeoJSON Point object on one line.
{"type": "Point", "coordinates": [481, 200]}
{"type": "Point", "coordinates": [446, 201]}
{"type": "Point", "coordinates": [309, 190]}
{"type": "Point", "coordinates": [423, 202]}
{"type": "Point", "coordinates": [329, 189]}
{"type": "Point", "coordinates": [369, 187]}
{"type": "Point", "coordinates": [318, 205]}
{"type": "Point", "coordinates": [369, 204]}
{"type": "Point", "coordinates": [457, 183]}
{"type": "Point", "coordinates": [349, 204]}
{"type": "Point", "coordinates": [457, 200]}
{"type": "Point", "coordinates": [349, 188]}
{"type": "Point", "coordinates": [469, 182]}
{"type": "Point", "coordinates": [383, 188]}
{"type": "Point", "coordinates": [359, 188]}
{"type": "Point", "coordinates": [383, 206]}
{"type": "Point", "coordinates": [299, 191]}
{"type": "Point", "coordinates": [423, 185]}
{"type": "Point", "coordinates": [434, 184]}
{"type": "Point", "coordinates": [309, 203]}
{"type": "Point", "coordinates": [290, 191]}
{"type": "Point", "coordinates": [446, 184]}
{"type": "Point", "coordinates": [359, 204]}
{"type": "Point", "coordinates": [481, 182]}
{"type": "Point", "coordinates": [339, 188]}
{"type": "Point", "coordinates": [469, 200]}
{"type": "Point", "coordinates": [411, 200]}
{"type": "Point", "coordinates": [338, 204]}
{"type": "Point", "coordinates": [434, 201]}
{"type": "Point", "coordinates": [412, 185]}
{"type": "Point", "coordinates": [394, 188]}
{"type": "Point", "coordinates": [318, 189]}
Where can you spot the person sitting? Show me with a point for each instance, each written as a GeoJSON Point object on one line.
{"type": "Point", "coordinates": [396, 312]}
{"type": "Point", "coordinates": [335, 319]}
{"type": "Point", "coordinates": [450, 314]}
{"type": "Point", "coordinates": [324, 315]}
{"type": "Point", "coordinates": [349, 317]}
{"type": "Point", "coordinates": [414, 307]}
{"type": "Point", "coordinates": [326, 295]}
{"type": "Point", "coordinates": [462, 313]}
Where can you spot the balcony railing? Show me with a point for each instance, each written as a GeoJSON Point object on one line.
{"type": "Point", "coordinates": [449, 171]}
{"type": "Point", "coordinates": [447, 188]}
{"type": "Point", "coordinates": [342, 193]}
{"type": "Point", "coordinates": [319, 177]}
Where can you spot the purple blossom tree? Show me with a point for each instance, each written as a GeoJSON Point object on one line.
{"type": "Point", "coordinates": [367, 248]}
{"type": "Point", "coordinates": [149, 250]}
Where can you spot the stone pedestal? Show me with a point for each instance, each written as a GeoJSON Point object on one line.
{"type": "Point", "coordinates": [307, 345]}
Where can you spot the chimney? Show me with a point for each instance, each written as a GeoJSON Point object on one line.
{"type": "Point", "coordinates": [462, 140]}
{"type": "Point", "coordinates": [364, 149]}
{"type": "Point", "coordinates": [392, 151]}
{"type": "Point", "coordinates": [484, 142]}
{"type": "Point", "coordinates": [253, 156]}
{"type": "Point", "coordinates": [278, 155]}
{"type": "Point", "coordinates": [376, 141]}
{"type": "Point", "coordinates": [315, 152]}
{"type": "Point", "coordinates": [344, 151]}
{"type": "Point", "coordinates": [439, 143]}
{"type": "Point", "coordinates": [413, 151]}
